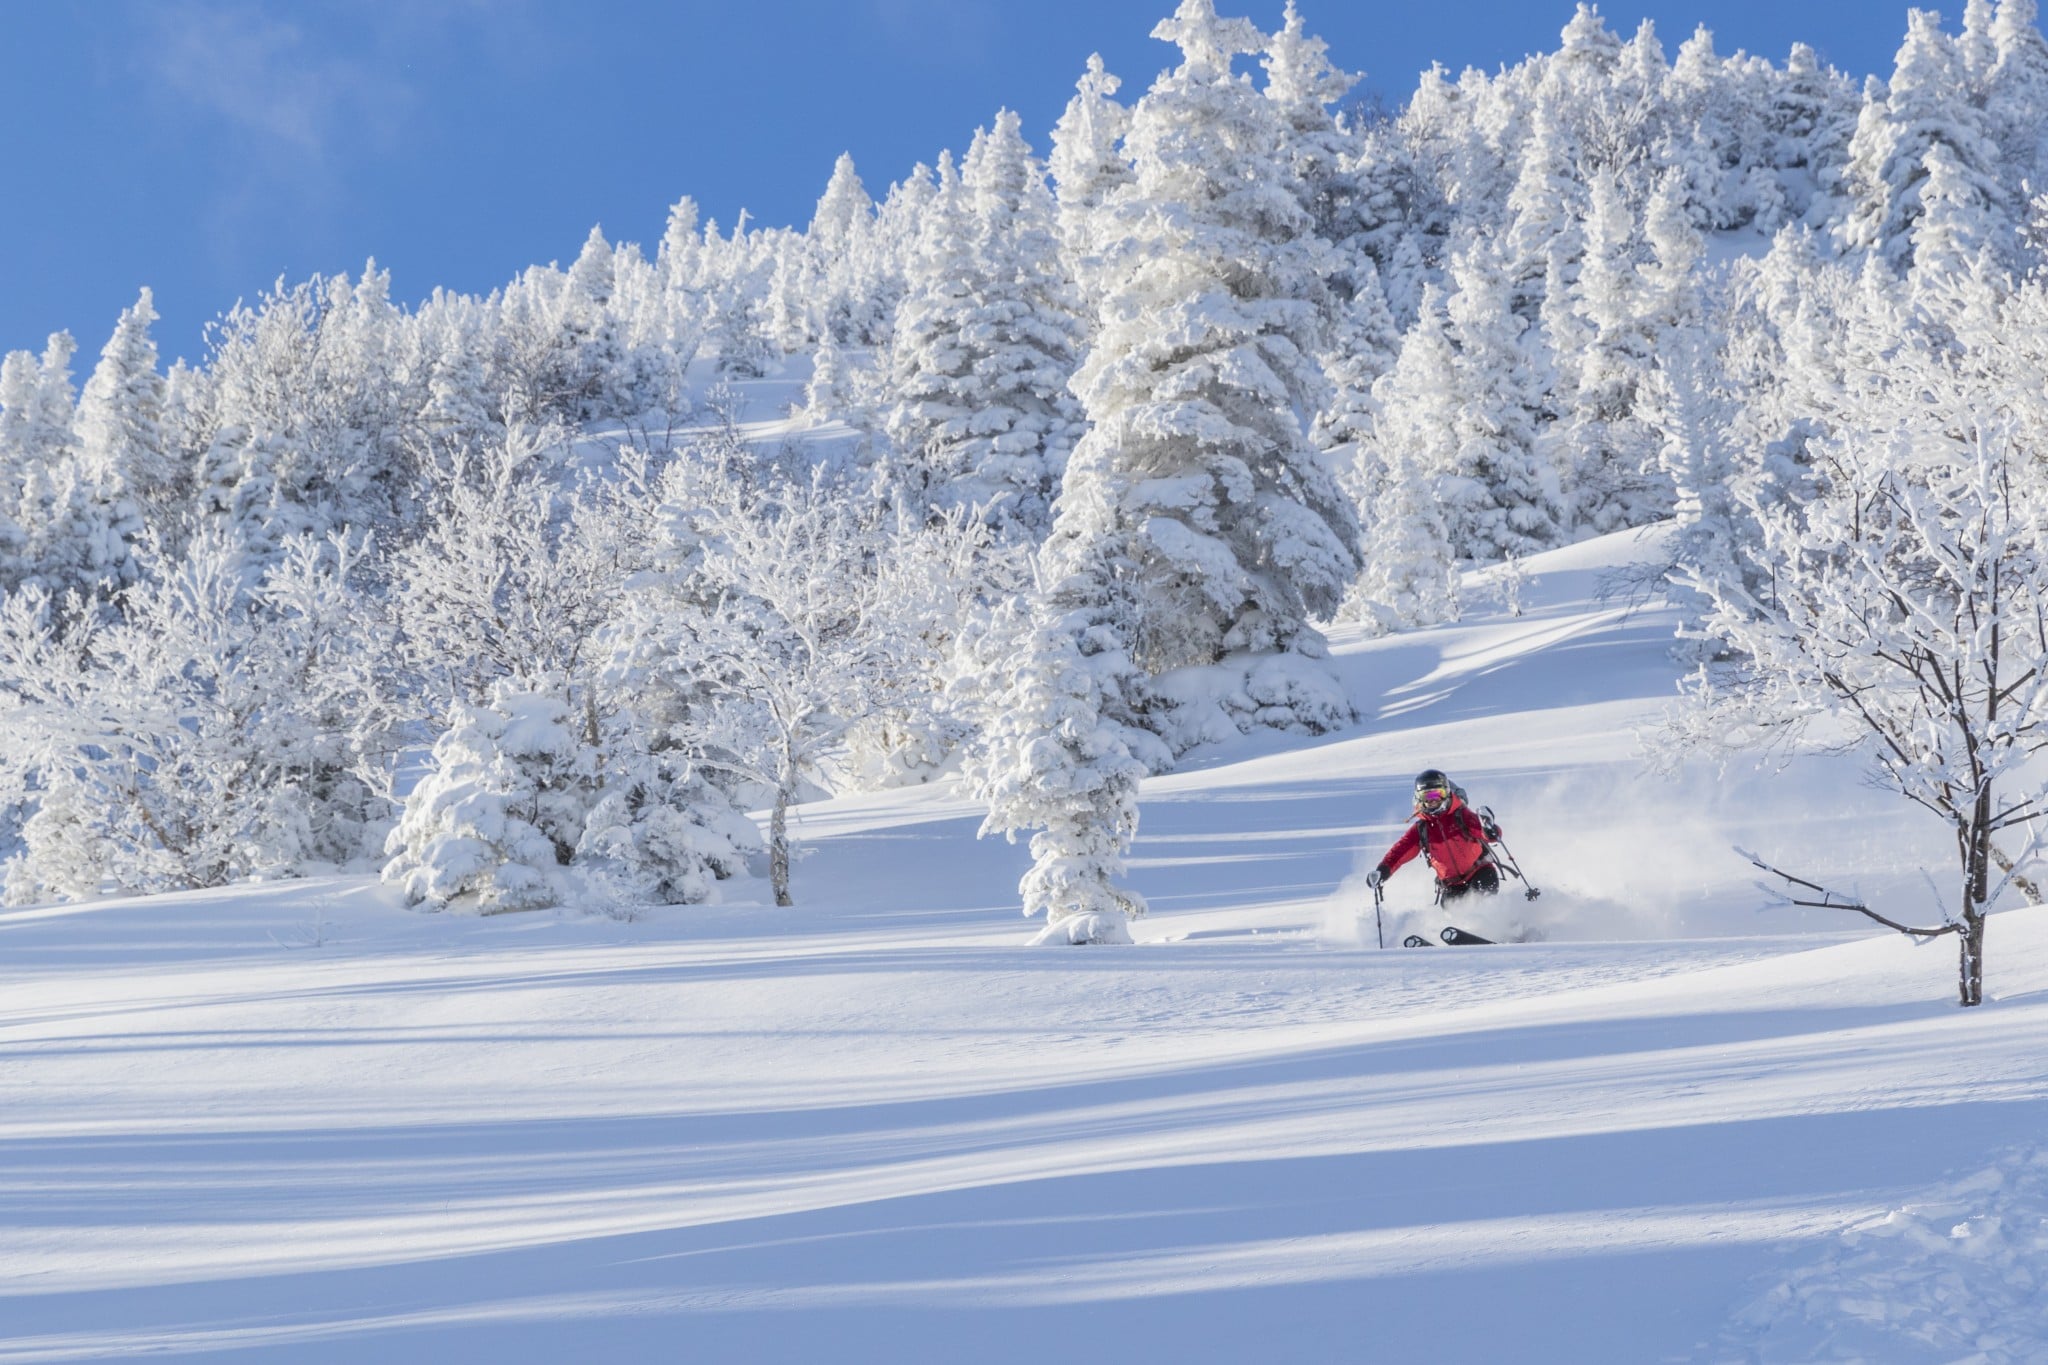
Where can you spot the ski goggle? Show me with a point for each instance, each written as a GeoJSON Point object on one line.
{"type": "Point", "coordinates": [1432, 796]}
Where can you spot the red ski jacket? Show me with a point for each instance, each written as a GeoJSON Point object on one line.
{"type": "Point", "coordinates": [1454, 838]}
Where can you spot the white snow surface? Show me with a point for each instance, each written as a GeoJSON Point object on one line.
{"type": "Point", "coordinates": [293, 1121]}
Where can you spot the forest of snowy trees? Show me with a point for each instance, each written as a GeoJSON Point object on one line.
{"type": "Point", "coordinates": [1238, 355]}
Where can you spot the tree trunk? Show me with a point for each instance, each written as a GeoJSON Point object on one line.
{"type": "Point", "coordinates": [1976, 892]}
{"type": "Point", "coordinates": [778, 846]}
{"type": "Point", "coordinates": [1972, 937]}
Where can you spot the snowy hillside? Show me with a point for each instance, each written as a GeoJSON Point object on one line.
{"type": "Point", "coordinates": [295, 1121]}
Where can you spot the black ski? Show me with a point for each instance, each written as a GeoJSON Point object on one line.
{"type": "Point", "coordinates": [1416, 941]}
{"type": "Point", "coordinates": [1459, 938]}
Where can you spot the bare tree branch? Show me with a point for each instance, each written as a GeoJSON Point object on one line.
{"type": "Point", "coordinates": [1830, 900]}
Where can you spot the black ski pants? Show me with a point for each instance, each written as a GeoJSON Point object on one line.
{"type": "Point", "coordinates": [1485, 879]}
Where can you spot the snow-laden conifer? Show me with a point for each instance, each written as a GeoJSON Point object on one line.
{"type": "Point", "coordinates": [120, 413]}
{"type": "Point", "coordinates": [2016, 100]}
{"type": "Point", "coordinates": [1504, 497]}
{"type": "Point", "coordinates": [828, 394]}
{"type": "Point", "coordinates": [1088, 165]}
{"type": "Point", "coordinates": [1691, 418]}
{"type": "Point", "coordinates": [840, 246]}
{"type": "Point", "coordinates": [1062, 752]}
{"type": "Point", "coordinates": [1624, 300]}
{"type": "Point", "coordinates": [309, 410]}
{"type": "Point", "coordinates": [1410, 575]}
{"type": "Point", "coordinates": [1927, 101]}
{"type": "Point", "coordinates": [459, 408]}
{"type": "Point", "coordinates": [658, 831]}
{"type": "Point", "coordinates": [38, 428]}
{"type": "Point", "coordinates": [1546, 212]}
{"type": "Point", "coordinates": [492, 826]}
{"type": "Point", "coordinates": [1199, 471]}
{"type": "Point", "coordinates": [525, 807]}
{"type": "Point", "coordinates": [20, 455]}
{"type": "Point", "coordinates": [1305, 84]}
{"type": "Point", "coordinates": [1954, 225]}
{"type": "Point", "coordinates": [122, 460]}
{"type": "Point", "coordinates": [1811, 118]}
{"type": "Point", "coordinates": [1363, 345]}
{"type": "Point", "coordinates": [736, 336]}
{"type": "Point", "coordinates": [679, 271]}
{"type": "Point", "coordinates": [986, 343]}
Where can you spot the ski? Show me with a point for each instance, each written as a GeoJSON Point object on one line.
{"type": "Point", "coordinates": [1460, 938]}
{"type": "Point", "coordinates": [1416, 941]}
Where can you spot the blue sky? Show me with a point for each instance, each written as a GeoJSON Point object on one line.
{"type": "Point", "coordinates": [206, 147]}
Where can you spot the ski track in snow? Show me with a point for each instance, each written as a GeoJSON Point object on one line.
{"type": "Point", "coordinates": [296, 1122]}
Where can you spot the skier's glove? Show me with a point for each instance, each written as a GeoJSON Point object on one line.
{"type": "Point", "coordinates": [1375, 877]}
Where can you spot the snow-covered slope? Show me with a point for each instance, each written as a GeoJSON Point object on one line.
{"type": "Point", "coordinates": [296, 1122]}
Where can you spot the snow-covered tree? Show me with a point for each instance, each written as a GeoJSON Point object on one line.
{"type": "Point", "coordinates": [2016, 97]}
{"type": "Point", "coordinates": [1195, 519]}
{"type": "Point", "coordinates": [738, 340]}
{"type": "Point", "coordinates": [1305, 84]}
{"type": "Point", "coordinates": [1504, 497]}
{"type": "Point", "coordinates": [1203, 360]}
{"type": "Point", "coordinates": [1063, 753]}
{"type": "Point", "coordinates": [122, 463]}
{"type": "Point", "coordinates": [308, 414]}
{"type": "Point", "coordinates": [828, 392]}
{"type": "Point", "coordinates": [773, 623]}
{"type": "Point", "coordinates": [120, 414]}
{"type": "Point", "coordinates": [459, 407]}
{"type": "Point", "coordinates": [1604, 448]}
{"type": "Point", "coordinates": [492, 826]}
{"type": "Point", "coordinates": [63, 546]}
{"type": "Point", "coordinates": [1691, 417]}
{"type": "Point", "coordinates": [1088, 165]}
{"type": "Point", "coordinates": [600, 380]}
{"type": "Point", "coordinates": [1927, 102]}
{"type": "Point", "coordinates": [986, 342]}
{"type": "Point", "coordinates": [1953, 226]}
{"type": "Point", "coordinates": [1546, 215]}
{"type": "Point", "coordinates": [679, 271]}
{"type": "Point", "coordinates": [20, 455]}
{"type": "Point", "coordinates": [197, 732]}
{"type": "Point", "coordinates": [517, 575]}
{"type": "Point", "coordinates": [1909, 592]}
{"type": "Point", "coordinates": [658, 831]}
{"type": "Point", "coordinates": [841, 245]}
{"type": "Point", "coordinates": [1363, 346]}
{"type": "Point", "coordinates": [548, 785]}
{"type": "Point", "coordinates": [1811, 116]}
{"type": "Point", "coordinates": [1410, 576]}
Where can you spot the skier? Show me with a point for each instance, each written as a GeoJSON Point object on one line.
{"type": "Point", "coordinates": [1451, 836]}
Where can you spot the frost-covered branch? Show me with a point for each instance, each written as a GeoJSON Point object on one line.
{"type": "Point", "coordinates": [1830, 900]}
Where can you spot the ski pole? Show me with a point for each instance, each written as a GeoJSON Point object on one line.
{"type": "Point", "coordinates": [1529, 890]}
{"type": "Point", "coordinates": [1379, 898]}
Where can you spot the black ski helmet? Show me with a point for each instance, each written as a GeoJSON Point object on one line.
{"type": "Point", "coordinates": [1432, 780]}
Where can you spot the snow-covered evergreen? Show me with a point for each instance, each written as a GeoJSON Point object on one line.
{"type": "Point", "coordinates": [493, 826]}
{"type": "Point", "coordinates": [1405, 468]}
{"type": "Point", "coordinates": [1201, 364]}
{"type": "Point", "coordinates": [986, 341]}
